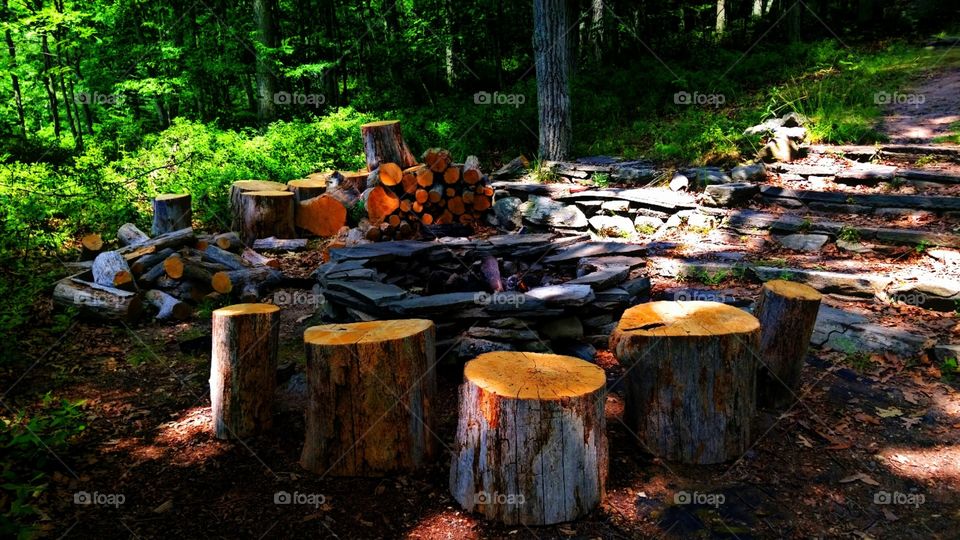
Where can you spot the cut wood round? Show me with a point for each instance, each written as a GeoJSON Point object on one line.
{"type": "Point", "coordinates": [471, 170]}
{"type": "Point", "coordinates": [787, 312]}
{"type": "Point", "coordinates": [129, 235]}
{"type": "Point", "coordinates": [243, 369]}
{"type": "Point", "coordinates": [322, 216]}
{"type": "Point", "coordinates": [452, 174]}
{"type": "Point", "coordinates": [110, 269]}
{"type": "Point", "coordinates": [383, 143]}
{"type": "Point", "coordinates": [97, 301]}
{"type": "Point", "coordinates": [235, 280]}
{"type": "Point", "coordinates": [691, 378]}
{"type": "Point", "coordinates": [380, 203]}
{"type": "Point", "coordinates": [531, 443]}
{"type": "Point", "coordinates": [171, 212]}
{"type": "Point", "coordinates": [90, 245]}
{"type": "Point", "coordinates": [229, 241]}
{"type": "Point", "coordinates": [307, 188]}
{"type": "Point", "coordinates": [390, 174]}
{"type": "Point", "coordinates": [240, 187]}
{"type": "Point", "coordinates": [356, 375]}
{"type": "Point", "coordinates": [167, 306]}
{"type": "Point", "coordinates": [265, 214]}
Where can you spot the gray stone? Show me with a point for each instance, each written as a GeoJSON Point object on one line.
{"type": "Point", "coordinates": [540, 210]}
{"type": "Point", "coordinates": [616, 295]}
{"type": "Point", "coordinates": [730, 194]}
{"type": "Point", "coordinates": [575, 348]}
{"type": "Point", "coordinates": [705, 176]}
{"type": "Point", "coordinates": [508, 322]}
{"type": "Point", "coordinates": [373, 292]}
{"type": "Point", "coordinates": [851, 332]}
{"type": "Point", "coordinates": [597, 321]}
{"type": "Point", "coordinates": [647, 222]}
{"type": "Point", "coordinates": [472, 347]}
{"type": "Point", "coordinates": [679, 182]}
{"type": "Point", "coordinates": [749, 173]}
{"type": "Point", "coordinates": [502, 334]}
{"type": "Point", "coordinates": [435, 303]}
{"type": "Point", "coordinates": [615, 206]}
{"type": "Point", "coordinates": [701, 221]}
{"type": "Point", "coordinates": [603, 278]}
{"type": "Point", "coordinates": [935, 293]}
{"type": "Point", "coordinates": [383, 251]}
{"type": "Point", "coordinates": [594, 249]}
{"type": "Point", "coordinates": [915, 216]}
{"type": "Point", "coordinates": [508, 212]}
{"type": "Point", "coordinates": [563, 295]}
{"type": "Point", "coordinates": [637, 287]}
{"type": "Point", "coordinates": [563, 328]}
{"type": "Point", "coordinates": [853, 247]}
{"type": "Point", "coordinates": [765, 127]}
{"type": "Point", "coordinates": [797, 133]}
{"type": "Point", "coordinates": [804, 242]}
{"type": "Point", "coordinates": [617, 226]}
{"type": "Point", "coordinates": [591, 264]}
{"type": "Point", "coordinates": [868, 174]}
{"type": "Point", "coordinates": [863, 285]}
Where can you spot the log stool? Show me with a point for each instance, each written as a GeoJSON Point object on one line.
{"type": "Point", "coordinates": [531, 443]}
{"type": "Point", "coordinates": [691, 378]}
{"type": "Point", "coordinates": [371, 390]}
{"type": "Point", "coordinates": [266, 213]}
{"type": "Point", "coordinates": [787, 312]}
{"type": "Point", "coordinates": [243, 369]}
{"type": "Point", "coordinates": [238, 188]}
{"type": "Point", "coordinates": [171, 212]}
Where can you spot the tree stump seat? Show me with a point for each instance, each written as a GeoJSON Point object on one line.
{"type": "Point", "coordinates": [690, 379]}
{"type": "Point", "coordinates": [531, 444]}
{"type": "Point", "coordinates": [371, 390]}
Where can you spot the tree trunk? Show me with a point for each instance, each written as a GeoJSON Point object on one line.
{"type": "Point", "coordinates": [307, 188]}
{"type": "Point", "coordinates": [171, 212]}
{"type": "Point", "coordinates": [167, 306]}
{"type": "Point", "coordinates": [50, 85]}
{"type": "Point", "coordinates": [383, 143]}
{"type": "Point", "coordinates": [111, 270]}
{"type": "Point", "coordinates": [243, 369]}
{"type": "Point", "coordinates": [531, 444]}
{"type": "Point", "coordinates": [551, 52]}
{"type": "Point", "coordinates": [280, 244]}
{"type": "Point", "coordinates": [15, 81]}
{"type": "Point", "coordinates": [690, 389]}
{"type": "Point", "coordinates": [265, 214]}
{"type": "Point", "coordinates": [787, 312]}
{"type": "Point", "coordinates": [356, 375]}
{"type": "Point", "coordinates": [264, 12]}
{"type": "Point", "coordinates": [98, 301]}
{"type": "Point", "coordinates": [173, 239]}
{"type": "Point", "coordinates": [240, 187]}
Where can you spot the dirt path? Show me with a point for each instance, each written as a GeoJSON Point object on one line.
{"type": "Point", "coordinates": [924, 112]}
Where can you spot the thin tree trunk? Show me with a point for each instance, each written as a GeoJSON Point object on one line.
{"type": "Point", "coordinates": [50, 85]}
{"type": "Point", "coordinates": [551, 51]}
{"type": "Point", "coordinates": [264, 12]}
{"type": "Point", "coordinates": [721, 25]}
{"type": "Point", "coordinates": [597, 22]}
{"type": "Point", "coordinates": [15, 81]}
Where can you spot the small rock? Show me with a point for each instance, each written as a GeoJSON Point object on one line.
{"type": "Point", "coordinates": [730, 194]}
{"type": "Point", "coordinates": [471, 347]}
{"type": "Point", "coordinates": [649, 223]}
{"type": "Point", "coordinates": [804, 242]}
{"type": "Point", "coordinates": [679, 183]}
{"type": "Point", "coordinates": [563, 295]}
{"type": "Point", "coordinates": [914, 216]}
{"type": "Point", "coordinates": [798, 133]}
{"type": "Point", "coordinates": [701, 221]}
{"type": "Point", "coordinates": [615, 206]}
{"type": "Point", "coordinates": [749, 173]}
{"type": "Point", "coordinates": [540, 210]}
{"type": "Point", "coordinates": [793, 119]}
{"type": "Point", "coordinates": [574, 348]}
{"type": "Point", "coordinates": [780, 149]}
{"type": "Point", "coordinates": [507, 211]}
{"type": "Point", "coordinates": [853, 247]}
{"type": "Point", "coordinates": [617, 226]}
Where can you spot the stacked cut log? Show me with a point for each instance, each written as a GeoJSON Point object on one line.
{"type": "Point", "coordinates": [170, 271]}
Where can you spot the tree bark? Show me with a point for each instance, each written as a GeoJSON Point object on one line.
{"type": "Point", "coordinates": [240, 187]}
{"type": "Point", "coordinates": [531, 445]}
{"type": "Point", "coordinates": [265, 214]}
{"type": "Point", "coordinates": [787, 312]}
{"type": "Point", "coordinates": [264, 14]}
{"type": "Point", "coordinates": [551, 52]}
{"type": "Point", "coordinates": [691, 384]}
{"type": "Point", "coordinates": [171, 212]}
{"type": "Point", "coordinates": [167, 306]}
{"type": "Point", "coordinates": [98, 301]}
{"type": "Point", "coordinates": [356, 375]}
{"type": "Point", "coordinates": [111, 270]}
{"type": "Point", "coordinates": [243, 369]}
{"type": "Point", "coordinates": [383, 143]}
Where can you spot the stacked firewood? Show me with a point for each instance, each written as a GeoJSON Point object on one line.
{"type": "Point", "coordinates": [171, 271]}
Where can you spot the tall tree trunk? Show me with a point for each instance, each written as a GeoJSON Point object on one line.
{"type": "Point", "coordinates": [264, 12]}
{"type": "Point", "coordinates": [597, 23]}
{"type": "Point", "coordinates": [551, 50]}
{"type": "Point", "coordinates": [721, 25]}
{"type": "Point", "coordinates": [498, 43]}
{"type": "Point", "coordinates": [793, 20]}
{"type": "Point", "coordinates": [50, 84]}
{"type": "Point", "coordinates": [15, 81]}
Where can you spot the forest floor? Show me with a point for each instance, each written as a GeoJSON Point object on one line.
{"type": "Point", "coordinates": [927, 111]}
{"type": "Point", "coordinates": [867, 429]}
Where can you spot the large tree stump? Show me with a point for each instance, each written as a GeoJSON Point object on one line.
{"type": "Point", "coordinates": [691, 378]}
{"type": "Point", "coordinates": [240, 187]}
{"type": "Point", "coordinates": [171, 212]}
{"type": "Point", "coordinates": [383, 143]}
{"type": "Point", "coordinates": [372, 387]}
{"type": "Point", "coordinates": [307, 188]}
{"type": "Point", "coordinates": [787, 312]}
{"type": "Point", "coordinates": [265, 214]}
{"type": "Point", "coordinates": [531, 444]}
{"type": "Point", "coordinates": [243, 369]}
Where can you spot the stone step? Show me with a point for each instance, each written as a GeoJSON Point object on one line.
{"type": "Point", "coordinates": [830, 201]}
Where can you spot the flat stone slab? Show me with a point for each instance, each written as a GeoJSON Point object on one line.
{"type": "Point", "coordinates": [866, 174]}
{"type": "Point", "coordinates": [383, 251]}
{"type": "Point", "coordinates": [804, 242]}
{"type": "Point", "coordinates": [531, 188]}
{"type": "Point", "coordinates": [563, 295]}
{"type": "Point", "coordinates": [730, 194]}
{"type": "Point", "coordinates": [603, 278]}
{"type": "Point", "coordinates": [540, 210]}
{"type": "Point", "coordinates": [844, 200]}
{"type": "Point", "coordinates": [617, 225]}
{"type": "Point", "coordinates": [655, 197]}
{"type": "Point", "coordinates": [434, 303]}
{"type": "Point", "coordinates": [595, 249]}
{"type": "Point", "coordinates": [828, 282]}
{"type": "Point", "coordinates": [849, 332]}
{"type": "Point", "coordinates": [373, 292]}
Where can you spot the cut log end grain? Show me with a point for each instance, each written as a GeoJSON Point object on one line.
{"type": "Point", "coordinates": [110, 269]}
{"type": "Point", "coordinates": [307, 188]}
{"type": "Point", "coordinates": [355, 375]}
{"type": "Point", "coordinates": [322, 216]}
{"type": "Point", "coordinates": [793, 290]}
{"type": "Point", "coordinates": [551, 409]}
{"type": "Point", "coordinates": [228, 241]}
{"type": "Point", "coordinates": [683, 319]}
{"type": "Point", "coordinates": [92, 242]}
{"type": "Point", "coordinates": [380, 204]}
{"type": "Point", "coordinates": [173, 266]}
{"type": "Point", "coordinates": [451, 175]}
{"type": "Point", "coordinates": [390, 174]}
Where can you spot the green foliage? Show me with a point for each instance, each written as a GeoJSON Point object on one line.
{"type": "Point", "coordinates": [601, 180]}
{"type": "Point", "coordinates": [849, 234]}
{"type": "Point", "coordinates": [30, 442]}
{"type": "Point", "coordinates": [922, 247]}
{"type": "Point", "coordinates": [357, 212]}
{"type": "Point", "coordinates": [949, 369]}
{"type": "Point", "coordinates": [859, 361]}
{"type": "Point", "coordinates": [646, 229]}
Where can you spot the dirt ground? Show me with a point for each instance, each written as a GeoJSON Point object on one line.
{"type": "Point", "coordinates": [925, 111]}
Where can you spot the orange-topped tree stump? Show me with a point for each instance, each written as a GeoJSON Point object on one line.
{"type": "Point", "coordinates": [371, 391]}
{"type": "Point", "coordinates": [243, 369]}
{"type": "Point", "coordinates": [691, 377]}
{"type": "Point", "coordinates": [531, 443]}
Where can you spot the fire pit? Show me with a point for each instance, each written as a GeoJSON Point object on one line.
{"type": "Point", "coordinates": [526, 292]}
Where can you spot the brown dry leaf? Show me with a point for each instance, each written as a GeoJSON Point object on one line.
{"type": "Point", "coordinates": [803, 441]}
{"type": "Point", "coordinates": [911, 421]}
{"type": "Point", "coordinates": [840, 445]}
{"type": "Point", "coordinates": [889, 413]}
{"type": "Point", "coordinates": [910, 396]}
{"type": "Point", "coordinates": [862, 477]}
{"type": "Point", "coordinates": [863, 417]}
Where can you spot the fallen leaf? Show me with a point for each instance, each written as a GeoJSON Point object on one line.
{"type": "Point", "coordinates": [911, 397]}
{"type": "Point", "coordinates": [909, 422]}
{"type": "Point", "coordinates": [863, 417]}
{"type": "Point", "coordinates": [862, 477]}
{"type": "Point", "coordinates": [889, 413]}
{"type": "Point", "coordinates": [840, 445]}
{"type": "Point", "coordinates": [804, 441]}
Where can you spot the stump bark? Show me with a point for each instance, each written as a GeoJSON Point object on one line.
{"type": "Point", "coordinates": [130, 235]}
{"type": "Point", "coordinates": [243, 369]}
{"type": "Point", "coordinates": [238, 188]}
{"type": "Point", "coordinates": [371, 392]}
{"type": "Point", "coordinates": [383, 143]}
{"type": "Point", "coordinates": [691, 378]}
{"type": "Point", "coordinates": [98, 301]}
{"type": "Point", "coordinates": [531, 444]}
{"type": "Point", "coordinates": [171, 212]}
{"type": "Point", "coordinates": [307, 188]}
{"type": "Point", "coordinates": [265, 214]}
{"type": "Point", "coordinates": [787, 312]}
{"type": "Point", "coordinates": [110, 269]}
